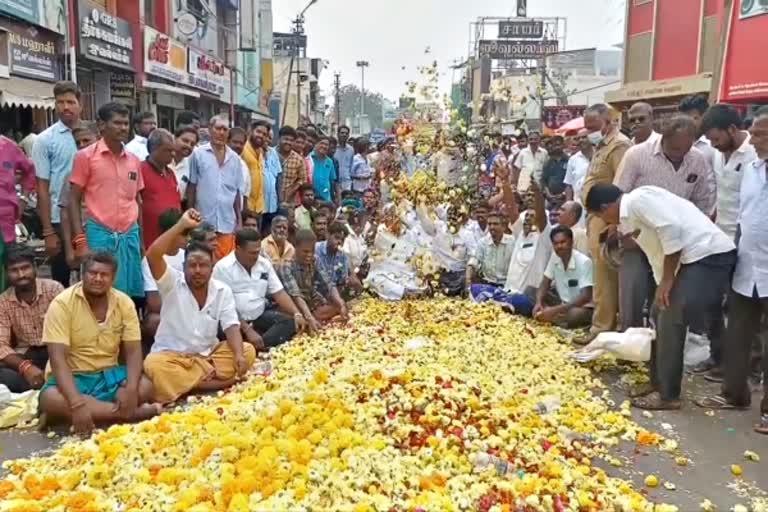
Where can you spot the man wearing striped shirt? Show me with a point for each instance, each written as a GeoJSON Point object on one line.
{"type": "Point", "coordinates": [671, 163]}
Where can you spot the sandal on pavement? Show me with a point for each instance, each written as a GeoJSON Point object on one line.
{"type": "Point", "coordinates": [718, 402]}
{"type": "Point", "coordinates": [762, 427]}
{"type": "Point", "coordinates": [641, 390]}
{"type": "Point", "coordinates": [654, 402]}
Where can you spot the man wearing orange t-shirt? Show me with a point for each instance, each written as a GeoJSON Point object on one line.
{"type": "Point", "coordinates": [107, 177]}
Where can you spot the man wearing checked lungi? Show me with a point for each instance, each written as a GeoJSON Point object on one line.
{"type": "Point", "coordinates": [107, 177]}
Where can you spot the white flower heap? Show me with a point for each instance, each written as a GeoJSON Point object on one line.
{"type": "Point", "coordinates": [388, 413]}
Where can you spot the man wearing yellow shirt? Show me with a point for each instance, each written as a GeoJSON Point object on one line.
{"type": "Point", "coordinates": [253, 156]}
{"type": "Point", "coordinates": [84, 329]}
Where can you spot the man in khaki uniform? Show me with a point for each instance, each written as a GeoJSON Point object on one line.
{"type": "Point", "coordinates": [610, 146]}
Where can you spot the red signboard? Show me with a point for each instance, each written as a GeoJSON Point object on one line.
{"type": "Point", "coordinates": [553, 118]}
{"type": "Point", "coordinates": [745, 72]}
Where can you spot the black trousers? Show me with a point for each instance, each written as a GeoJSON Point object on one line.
{"type": "Point", "coordinates": [698, 292]}
{"type": "Point", "coordinates": [275, 327]}
{"type": "Point", "coordinates": [16, 382]}
{"type": "Point", "coordinates": [59, 268]}
{"type": "Point", "coordinates": [744, 325]}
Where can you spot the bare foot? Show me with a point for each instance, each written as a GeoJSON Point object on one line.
{"type": "Point", "coordinates": [147, 411]}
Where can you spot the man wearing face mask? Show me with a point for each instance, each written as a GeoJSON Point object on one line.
{"type": "Point", "coordinates": [672, 163]}
{"type": "Point", "coordinates": [610, 146]}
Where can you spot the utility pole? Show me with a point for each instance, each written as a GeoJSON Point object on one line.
{"type": "Point", "coordinates": [337, 92]}
{"type": "Point", "coordinates": [298, 31]}
{"type": "Point", "coordinates": [362, 64]}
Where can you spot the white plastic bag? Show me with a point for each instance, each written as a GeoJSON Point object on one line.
{"type": "Point", "coordinates": [697, 349]}
{"type": "Point", "coordinates": [632, 345]}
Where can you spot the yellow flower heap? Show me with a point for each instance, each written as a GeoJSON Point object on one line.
{"type": "Point", "coordinates": [387, 413]}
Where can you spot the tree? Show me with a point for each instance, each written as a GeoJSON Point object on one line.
{"type": "Point", "coordinates": [350, 105]}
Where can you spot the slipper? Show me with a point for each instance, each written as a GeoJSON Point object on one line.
{"type": "Point", "coordinates": [654, 402]}
{"type": "Point", "coordinates": [641, 390]}
{"type": "Point", "coordinates": [762, 427]}
{"type": "Point", "coordinates": [718, 402]}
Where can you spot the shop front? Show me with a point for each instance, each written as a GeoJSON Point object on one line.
{"type": "Point", "coordinates": [663, 95]}
{"type": "Point", "coordinates": [214, 81]}
{"type": "Point", "coordinates": [29, 65]}
{"type": "Point", "coordinates": [106, 62]}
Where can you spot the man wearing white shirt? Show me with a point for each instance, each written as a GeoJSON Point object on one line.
{"type": "Point", "coordinates": [576, 172]}
{"type": "Point", "coordinates": [529, 163]}
{"type": "Point", "coordinates": [722, 126]}
{"type": "Point", "coordinates": [695, 107]}
{"type": "Point", "coordinates": [569, 215]}
{"type": "Point", "coordinates": [571, 272]}
{"type": "Point", "coordinates": [252, 279]}
{"type": "Point", "coordinates": [187, 354]}
{"type": "Point", "coordinates": [691, 260]}
{"type": "Point", "coordinates": [144, 123]}
{"type": "Point", "coordinates": [748, 299]}
{"type": "Point", "coordinates": [640, 117]}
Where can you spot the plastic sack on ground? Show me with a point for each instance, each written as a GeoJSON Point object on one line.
{"type": "Point", "coordinates": [632, 345]}
{"type": "Point", "coordinates": [696, 349]}
{"type": "Point", "coordinates": [17, 408]}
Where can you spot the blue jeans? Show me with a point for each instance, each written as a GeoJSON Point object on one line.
{"type": "Point", "coordinates": [522, 304]}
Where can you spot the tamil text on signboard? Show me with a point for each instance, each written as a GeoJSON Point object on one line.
{"type": "Point", "coordinates": [521, 29]}
{"type": "Point", "coordinates": [503, 50]}
{"type": "Point", "coordinates": [33, 52]}
{"type": "Point", "coordinates": [105, 38]}
{"type": "Point", "coordinates": [164, 57]}
{"type": "Point", "coordinates": [206, 73]}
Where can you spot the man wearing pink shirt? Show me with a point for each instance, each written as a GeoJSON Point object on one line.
{"type": "Point", "coordinates": [13, 160]}
{"type": "Point", "coordinates": [107, 177]}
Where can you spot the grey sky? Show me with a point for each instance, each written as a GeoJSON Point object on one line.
{"type": "Point", "coordinates": [391, 34]}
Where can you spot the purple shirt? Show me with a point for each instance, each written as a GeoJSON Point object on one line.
{"type": "Point", "coordinates": [12, 160]}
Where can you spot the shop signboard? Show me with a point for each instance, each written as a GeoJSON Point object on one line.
{"type": "Point", "coordinates": [206, 73]}
{"type": "Point", "coordinates": [521, 29]}
{"type": "Point", "coordinates": [516, 50]}
{"type": "Point", "coordinates": [745, 76]}
{"type": "Point", "coordinates": [49, 14]}
{"type": "Point", "coordinates": [122, 88]}
{"type": "Point", "coordinates": [554, 117]}
{"type": "Point", "coordinates": [104, 38]}
{"type": "Point", "coordinates": [164, 57]}
{"type": "Point", "coordinates": [32, 52]}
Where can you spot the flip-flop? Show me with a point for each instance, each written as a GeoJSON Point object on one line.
{"type": "Point", "coordinates": [654, 402]}
{"type": "Point", "coordinates": [762, 427]}
{"type": "Point", "coordinates": [718, 402]}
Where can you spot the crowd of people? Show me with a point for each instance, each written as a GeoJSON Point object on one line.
{"type": "Point", "coordinates": [198, 249]}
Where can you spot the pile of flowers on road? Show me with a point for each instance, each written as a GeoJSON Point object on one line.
{"type": "Point", "coordinates": [435, 405]}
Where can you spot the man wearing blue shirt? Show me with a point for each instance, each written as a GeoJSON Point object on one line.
{"type": "Point", "coordinates": [324, 172]}
{"type": "Point", "coordinates": [53, 154]}
{"type": "Point", "coordinates": [344, 154]}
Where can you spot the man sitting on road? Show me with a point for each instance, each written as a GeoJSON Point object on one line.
{"type": "Point", "coordinates": [23, 354]}
{"type": "Point", "coordinates": [252, 277]}
{"type": "Point", "coordinates": [276, 246]}
{"type": "Point", "coordinates": [175, 259]}
{"type": "Point", "coordinates": [85, 328]}
{"type": "Point", "coordinates": [187, 355]}
{"type": "Point", "coordinates": [490, 263]}
{"type": "Point", "coordinates": [316, 298]}
{"type": "Point", "coordinates": [334, 264]}
{"type": "Point", "coordinates": [571, 272]}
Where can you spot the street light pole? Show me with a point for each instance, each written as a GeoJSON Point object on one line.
{"type": "Point", "coordinates": [362, 64]}
{"type": "Point", "coordinates": [298, 31]}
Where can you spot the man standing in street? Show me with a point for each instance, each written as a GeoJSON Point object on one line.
{"type": "Point", "coordinates": [641, 123]}
{"type": "Point", "coordinates": [748, 299]}
{"type": "Point", "coordinates": [695, 107]}
{"type": "Point", "coordinates": [108, 178]}
{"type": "Point", "coordinates": [324, 173]}
{"type": "Point", "coordinates": [530, 162]}
{"type": "Point", "coordinates": [578, 166]}
{"type": "Point", "coordinates": [253, 155]}
{"type": "Point", "coordinates": [215, 184]}
{"type": "Point", "coordinates": [53, 154]}
{"type": "Point", "coordinates": [553, 174]}
{"type": "Point", "coordinates": [610, 146]}
{"type": "Point", "coordinates": [16, 165]}
{"type": "Point", "coordinates": [671, 163]}
{"type": "Point", "coordinates": [160, 191]}
{"type": "Point", "coordinates": [144, 123]}
{"type": "Point", "coordinates": [273, 170]}
{"type": "Point", "coordinates": [344, 154]}
{"type": "Point", "coordinates": [692, 260]}
{"type": "Point", "coordinates": [294, 173]}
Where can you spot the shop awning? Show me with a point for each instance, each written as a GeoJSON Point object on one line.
{"type": "Point", "coordinates": [262, 116]}
{"type": "Point", "coordinates": [22, 92]}
{"type": "Point", "coordinates": [653, 89]}
{"type": "Point", "coordinates": [171, 88]}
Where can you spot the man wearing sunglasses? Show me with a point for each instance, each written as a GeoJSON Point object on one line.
{"type": "Point", "coordinates": [641, 123]}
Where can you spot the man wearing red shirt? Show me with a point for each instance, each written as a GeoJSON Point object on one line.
{"type": "Point", "coordinates": [160, 191]}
